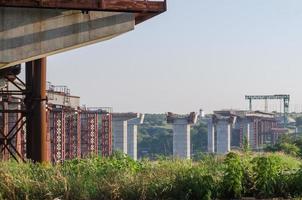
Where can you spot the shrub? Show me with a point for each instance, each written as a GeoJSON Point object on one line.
{"type": "Point", "coordinates": [119, 177]}
{"type": "Point", "coordinates": [232, 181]}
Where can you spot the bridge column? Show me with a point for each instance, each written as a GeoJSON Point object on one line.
{"type": "Point", "coordinates": [223, 128]}
{"type": "Point", "coordinates": [211, 136]}
{"type": "Point", "coordinates": [181, 125]}
{"type": "Point", "coordinates": [36, 111]}
{"type": "Point", "coordinates": [246, 132]}
{"type": "Point", "coordinates": [120, 126]}
{"type": "Point", "coordinates": [132, 135]}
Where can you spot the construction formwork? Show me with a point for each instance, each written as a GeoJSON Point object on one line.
{"type": "Point", "coordinates": [57, 135]}
{"type": "Point", "coordinates": [79, 133]}
{"type": "Point", "coordinates": [71, 133]}
{"type": "Point", "coordinates": [89, 133]}
{"type": "Point", "coordinates": [105, 138]}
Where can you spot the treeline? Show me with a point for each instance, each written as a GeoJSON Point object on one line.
{"type": "Point", "coordinates": [156, 137]}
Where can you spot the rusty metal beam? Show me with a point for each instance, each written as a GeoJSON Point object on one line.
{"type": "Point", "coordinates": [145, 8]}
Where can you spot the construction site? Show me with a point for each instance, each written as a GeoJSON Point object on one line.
{"type": "Point", "coordinates": [43, 122]}
{"type": "Point", "coordinates": [234, 129]}
{"type": "Point", "coordinates": [86, 87]}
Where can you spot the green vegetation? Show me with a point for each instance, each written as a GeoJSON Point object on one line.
{"type": "Point", "coordinates": [118, 177]}
{"type": "Point", "coordinates": [288, 144]}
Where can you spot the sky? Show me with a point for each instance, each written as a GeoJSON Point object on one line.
{"type": "Point", "coordinates": [200, 54]}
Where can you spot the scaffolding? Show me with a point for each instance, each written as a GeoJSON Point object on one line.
{"type": "Point", "coordinates": [70, 132]}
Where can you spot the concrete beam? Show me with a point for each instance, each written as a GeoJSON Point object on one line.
{"type": "Point", "coordinates": [27, 34]}
{"type": "Point", "coordinates": [120, 128]}
{"type": "Point", "coordinates": [132, 135]}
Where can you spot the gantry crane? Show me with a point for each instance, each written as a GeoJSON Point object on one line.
{"type": "Point", "coordinates": [284, 97]}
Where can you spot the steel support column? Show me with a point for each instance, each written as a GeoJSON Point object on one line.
{"type": "Point", "coordinates": [36, 105]}
{"type": "Point", "coordinates": [28, 104]}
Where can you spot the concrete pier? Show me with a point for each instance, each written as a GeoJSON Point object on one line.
{"type": "Point", "coordinates": [181, 134]}
{"type": "Point", "coordinates": [120, 128]}
{"type": "Point", "coordinates": [132, 135]}
{"type": "Point", "coordinates": [211, 136]}
{"type": "Point", "coordinates": [219, 133]}
{"type": "Point", "coordinates": [253, 136]}
{"type": "Point", "coordinates": [246, 132]}
{"type": "Point", "coordinates": [223, 129]}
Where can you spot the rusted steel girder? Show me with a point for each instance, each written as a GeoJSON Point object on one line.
{"type": "Point", "coordinates": [145, 9]}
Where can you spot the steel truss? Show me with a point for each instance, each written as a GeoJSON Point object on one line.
{"type": "Point", "coordinates": [12, 115]}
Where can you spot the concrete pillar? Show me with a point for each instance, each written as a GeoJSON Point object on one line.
{"type": "Point", "coordinates": [132, 136]}
{"type": "Point", "coordinates": [120, 126]}
{"type": "Point", "coordinates": [246, 132]}
{"type": "Point", "coordinates": [253, 140]}
{"type": "Point", "coordinates": [181, 134]}
{"type": "Point", "coordinates": [223, 128]}
{"type": "Point", "coordinates": [211, 136]}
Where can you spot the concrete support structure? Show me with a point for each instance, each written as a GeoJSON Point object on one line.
{"type": "Point", "coordinates": [181, 134]}
{"type": "Point", "coordinates": [132, 135]}
{"type": "Point", "coordinates": [223, 129]}
{"type": "Point", "coordinates": [253, 135]}
{"type": "Point", "coordinates": [120, 128]}
{"type": "Point", "coordinates": [219, 133]}
{"type": "Point", "coordinates": [211, 137]}
{"type": "Point", "coordinates": [247, 132]}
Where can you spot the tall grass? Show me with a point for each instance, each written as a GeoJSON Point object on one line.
{"type": "Point", "coordinates": [118, 177]}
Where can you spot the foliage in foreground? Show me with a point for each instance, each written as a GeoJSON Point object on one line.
{"type": "Point", "coordinates": [118, 177]}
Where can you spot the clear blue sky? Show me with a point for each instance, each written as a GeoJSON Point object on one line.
{"type": "Point", "coordinates": [199, 54]}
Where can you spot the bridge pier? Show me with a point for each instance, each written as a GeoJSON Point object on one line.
{"type": "Point", "coordinates": [223, 128]}
{"type": "Point", "coordinates": [36, 111]}
{"type": "Point", "coordinates": [211, 137]}
{"type": "Point", "coordinates": [132, 135]}
{"type": "Point", "coordinates": [120, 128]}
{"type": "Point", "coordinates": [181, 125]}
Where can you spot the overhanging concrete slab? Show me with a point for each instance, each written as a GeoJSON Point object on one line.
{"type": "Point", "coordinates": [27, 34]}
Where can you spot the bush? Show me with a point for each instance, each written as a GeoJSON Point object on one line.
{"type": "Point", "coordinates": [273, 174]}
{"type": "Point", "coordinates": [232, 181]}
{"type": "Point", "coordinates": [119, 177]}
